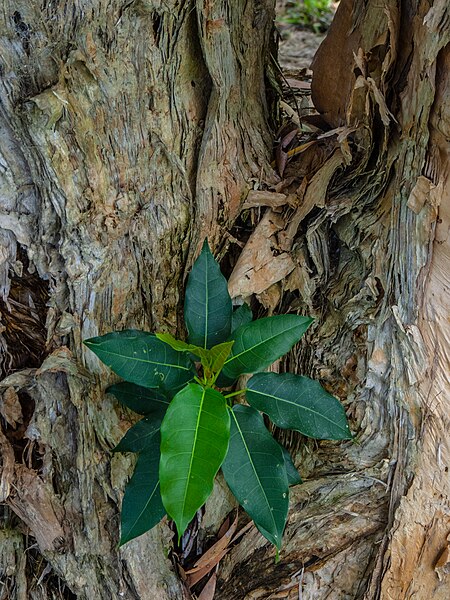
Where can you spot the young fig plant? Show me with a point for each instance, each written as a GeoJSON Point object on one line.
{"type": "Point", "coordinates": [190, 428]}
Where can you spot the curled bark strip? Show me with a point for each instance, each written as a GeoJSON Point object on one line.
{"type": "Point", "coordinates": [257, 198]}
{"type": "Point", "coordinates": [35, 503]}
{"type": "Point", "coordinates": [10, 408]}
{"type": "Point", "coordinates": [442, 566]}
{"type": "Point", "coordinates": [7, 468]}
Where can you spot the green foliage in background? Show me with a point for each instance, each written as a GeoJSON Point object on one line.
{"type": "Point", "coordinates": [191, 427]}
{"type": "Point", "coordinates": [312, 14]}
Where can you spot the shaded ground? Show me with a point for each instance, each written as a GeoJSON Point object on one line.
{"type": "Point", "coordinates": [298, 43]}
{"type": "Point", "coordinates": [297, 47]}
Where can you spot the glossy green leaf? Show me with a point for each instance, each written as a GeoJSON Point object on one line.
{"type": "Point", "coordinates": [142, 507]}
{"type": "Point", "coordinates": [207, 305]}
{"type": "Point", "coordinates": [141, 400]}
{"type": "Point", "coordinates": [139, 357]}
{"type": "Point", "coordinates": [140, 436]}
{"type": "Point", "coordinates": [292, 473]}
{"type": "Point", "coordinates": [259, 343]}
{"type": "Point", "coordinates": [299, 403]}
{"type": "Point", "coordinates": [194, 442]}
{"type": "Point", "coordinates": [241, 316]}
{"type": "Point", "coordinates": [255, 472]}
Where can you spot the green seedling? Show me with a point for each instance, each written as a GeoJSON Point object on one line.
{"type": "Point", "coordinates": [191, 427]}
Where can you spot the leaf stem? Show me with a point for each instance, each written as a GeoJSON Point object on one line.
{"type": "Point", "coordinates": [236, 393]}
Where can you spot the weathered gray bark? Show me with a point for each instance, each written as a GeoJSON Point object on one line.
{"type": "Point", "coordinates": [129, 130]}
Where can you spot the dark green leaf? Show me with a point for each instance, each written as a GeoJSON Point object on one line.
{"type": "Point", "coordinates": [142, 507]}
{"type": "Point", "coordinates": [141, 358]}
{"type": "Point", "coordinates": [299, 403]}
{"type": "Point", "coordinates": [207, 305]}
{"type": "Point", "coordinates": [259, 343]}
{"type": "Point", "coordinates": [143, 401]}
{"type": "Point", "coordinates": [254, 469]}
{"type": "Point", "coordinates": [224, 382]}
{"type": "Point", "coordinates": [241, 316]}
{"type": "Point", "coordinates": [140, 436]}
{"type": "Point", "coordinates": [194, 442]}
{"type": "Point", "coordinates": [292, 473]}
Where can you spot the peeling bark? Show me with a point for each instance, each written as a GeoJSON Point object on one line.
{"type": "Point", "coordinates": [371, 266]}
{"type": "Point", "coordinates": [129, 130]}
{"type": "Point", "coordinates": [113, 115]}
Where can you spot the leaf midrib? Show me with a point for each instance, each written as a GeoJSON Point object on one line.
{"type": "Point", "coordinates": [254, 470]}
{"type": "Point", "coordinates": [205, 338]}
{"type": "Point", "coordinates": [152, 398]}
{"type": "Point", "coordinates": [188, 478]}
{"type": "Point", "coordinates": [297, 406]}
{"type": "Point", "coordinates": [145, 507]}
{"type": "Point", "coordinates": [269, 339]}
{"type": "Point", "coordinates": [150, 362]}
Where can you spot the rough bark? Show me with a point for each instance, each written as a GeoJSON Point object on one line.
{"type": "Point", "coordinates": [372, 520]}
{"type": "Point", "coordinates": [129, 130]}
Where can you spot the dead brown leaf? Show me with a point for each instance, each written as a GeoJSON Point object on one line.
{"type": "Point", "coordinates": [212, 556]}
{"type": "Point", "coordinates": [224, 527]}
{"type": "Point", "coordinates": [301, 148]}
{"type": "Point", "coordinates": [216, 548]}
{"type": "Point", "coordinates": [281, 159]}
{"type": "Point", "coordinates": [241, 532]}
{"type": "Point", "coordinates": [287, 138]}
{"type": "Point", "coordinates": [199, 573]}
{"type": "Point", "coordinates": [259, 266]}
{"type": "Point", "coordinates": [281, 154]}
{"type": "Point", "coordinates": [208, 591]}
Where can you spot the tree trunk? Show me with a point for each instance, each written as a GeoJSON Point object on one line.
{"type": "Point", "coordinates": [129, 131]}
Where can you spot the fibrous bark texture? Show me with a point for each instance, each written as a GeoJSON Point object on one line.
{"type": "Point", "coordinates": [129, 131]}
{"type": "Point", "coordinates": [370, 262]}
